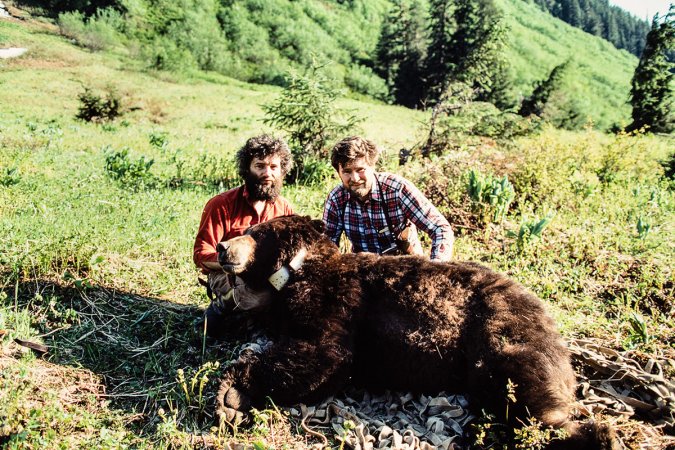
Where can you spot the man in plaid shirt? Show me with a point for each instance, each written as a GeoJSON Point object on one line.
{"type": "Point", "coordinates": [368, 204]}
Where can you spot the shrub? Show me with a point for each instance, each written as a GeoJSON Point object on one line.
{"type": "Point", "coordinates": [457, 116]}
{"type": "Point", "coordinates": [669, 167]}
{"type": "Point", "coordinates": [9, 176]}
{"type": "Point", "coordinates": [98, 32]}
{"type": "Point", "coordinates": [197, 30]}
{"type": "Point", "coordinates": [95, 108]}
{"type": "Point", "coordinates": [164, 54]}
{"type": "Point", "coordinates": [364, 81]}
{"type": "Point", "coordinates": [133, 174]}
{"type": "Point", "coordinates": [71, 24]}
{"type": "Point", "coordinates": [316, 171]}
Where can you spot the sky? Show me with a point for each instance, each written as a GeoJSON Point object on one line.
{"type": "Point", "coordinates": [644, 9]}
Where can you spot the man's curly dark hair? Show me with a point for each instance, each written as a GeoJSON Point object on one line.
{"type": "Point", "coordinates": [261, 147]}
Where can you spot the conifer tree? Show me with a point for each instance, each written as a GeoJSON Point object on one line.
{"type": "Point", "coordinates": [439, 61]}
{"type": "Point", "coordinates": [466, 45]}
{"type": "Point", "coordinates": [478, 44]}
{"type": "Point", "coordinates": [651, 92]}
{"type": "Point", "coordinates": [536, 102]}
{"type": "Point", "coordinates": [400, 52]}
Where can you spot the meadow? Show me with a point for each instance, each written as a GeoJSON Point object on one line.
{"type": "Point", "coordinates": [96, 244]}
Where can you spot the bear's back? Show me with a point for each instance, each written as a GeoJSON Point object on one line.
{"type": "Point", "coordinates": [425, 324]}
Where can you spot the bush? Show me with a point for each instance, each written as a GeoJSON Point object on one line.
{"type": "Point", "coordinates": [97, 32]}
{"type": "Point", "coordinates": [364, 81]}
{"type": "Point", "coordinates": [669, 167]}
{"type": "Point", "coordinates": [133, 174]}
{"type": "Point", "coordinates": [9, 176]}
{"type": "Point", "coordinates": [71, 24]}
{"type": "Point", "coordinates": [94, 108]}
{"type": "Point", "coordinates": [164, 54]}
{"type": "Point", "coordinates": [485, 119]}
{"type": "Point", "coordinates": [316, 171]}
{"type": "Point", "coordinates": [198, 31]}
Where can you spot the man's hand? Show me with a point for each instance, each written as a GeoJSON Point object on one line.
{"type": "Point", "coordinates": [212, 265]}
{"type": "Point", "coordinates": [246, 298]}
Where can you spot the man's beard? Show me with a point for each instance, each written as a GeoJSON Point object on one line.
{"type": "Point", "coordinates": [262, 191]}
{"type": "Point", "coordinates": [361, 191]}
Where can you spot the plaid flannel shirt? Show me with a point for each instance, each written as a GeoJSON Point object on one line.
{"type": "Point", "coordinates": [405, 205]}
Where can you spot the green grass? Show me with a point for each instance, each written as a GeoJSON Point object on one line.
{"type": "Point", "coordinates": [101, 271]}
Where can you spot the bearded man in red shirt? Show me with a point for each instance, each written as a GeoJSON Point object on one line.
{"type": "Point", "coordinates": [263, 163]}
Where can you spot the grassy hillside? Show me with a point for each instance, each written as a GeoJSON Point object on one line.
{"type": "Point", "coordinates": [599, 81]}
{"type": "Point", "coordinates": [99, 269]}
{"type": "Point", "coordinates": [261, 41]}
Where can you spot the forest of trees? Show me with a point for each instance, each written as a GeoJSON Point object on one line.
{"type": "Point", "coordinates": [598, 18]}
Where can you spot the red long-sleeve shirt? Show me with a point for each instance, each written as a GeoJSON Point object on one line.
{"type": "Point", "coordinates": [228, 215]}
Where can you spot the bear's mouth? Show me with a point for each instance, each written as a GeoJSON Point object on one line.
{"type": "Point", "coordinates": [232, 268]}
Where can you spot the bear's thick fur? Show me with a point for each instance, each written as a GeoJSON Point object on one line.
{"type": "Point", "coordinates": [402, 323]}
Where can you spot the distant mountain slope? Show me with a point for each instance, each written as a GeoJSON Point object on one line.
{"type": "Point", "coordinates": [599, 82]}
{"type": "Point", "coordinates": [599, 18]}
{"type": "Point", "coordinates": [260, 40]}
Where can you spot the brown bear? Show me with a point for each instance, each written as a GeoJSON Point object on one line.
{"type": "Point", "coordinates": [400, 323]}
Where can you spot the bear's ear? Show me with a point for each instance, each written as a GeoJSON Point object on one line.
{"type": "Point", "coordinates": [318, 225]}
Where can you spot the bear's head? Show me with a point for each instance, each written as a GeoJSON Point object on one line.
{"type": "Point", "coordinates": [269, 247]}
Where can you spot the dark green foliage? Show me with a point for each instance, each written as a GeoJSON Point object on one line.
{"type": "Point", "coordinates": [535, 103]}
{"type": "Point", "coordinates": [400, 52]}
{"type": "Point", "coordinates": [269, 38]}
{"type": "Point", "coordinates": [9, 176]}
{"type": "Point", "coordinates": [99, 31]}
{"type": "Point", "coordinates": [88, 7]}
{"type": "Point", "coordinates": [306, 111]}
{"type": "Point", "coordinates": [362, 79]}
{"type": "Point", "coordinates": [651, 92]}
{"type": "Point", "coordinates": [95, 108]}
{"type": "Point", "coordinates": [477, 45]}
{"type": "Point", "coordinates": [466, 45]}
{"type": "Point", "coordinates": [669, 167]}
{"type": "Point", "coordinates": [439, 63]}
{"type": "Point", "coordinates": [260, 41]}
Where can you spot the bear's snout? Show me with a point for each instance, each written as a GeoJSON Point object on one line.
{"type": "Point", "coordinates": [234, 254]}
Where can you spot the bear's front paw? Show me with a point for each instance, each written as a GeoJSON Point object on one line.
{"type": "Point", "coordinates": [230, 416]}
{"type": "Point", "coordinates": [232, 404]}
